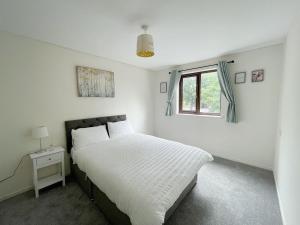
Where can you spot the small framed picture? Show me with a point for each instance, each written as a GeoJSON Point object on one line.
{"type": "Point", "coordinates": [257, 75]}
{"type": "Point", "coordinates": [240, 78]}
{"type": "Point", "coordinates": [163, 87]}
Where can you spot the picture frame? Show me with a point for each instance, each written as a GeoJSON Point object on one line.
{"type": "Point", "coordinates": [163, 87]}
{"type": "Point", "coordinates": [240, 78]}
{"type": "Point", "coordinates": [94, 82]}
{"type": "Point", "coordinates": [258, 75]}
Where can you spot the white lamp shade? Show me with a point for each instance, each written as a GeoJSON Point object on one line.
{"type": "Point", "coordinates": [40, 132]}
{"type": "Point", "coordinates": [145, 45]}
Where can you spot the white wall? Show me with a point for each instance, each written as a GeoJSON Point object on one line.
{"type": "Point", "coordinates": [38, 87]}
{"type": "Point", "coordinates": [287, 161]}
{"type": "Point", "coordinates": [252, 140]}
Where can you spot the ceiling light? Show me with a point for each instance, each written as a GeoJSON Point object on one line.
{"type": "Point", "coordinates": [145, 44]}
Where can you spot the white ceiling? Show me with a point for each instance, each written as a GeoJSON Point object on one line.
{"type": "Point", "coordinates": [184, 30]}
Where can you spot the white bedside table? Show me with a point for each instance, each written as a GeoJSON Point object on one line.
{"type": "Point", "coordinates": [44, 158]}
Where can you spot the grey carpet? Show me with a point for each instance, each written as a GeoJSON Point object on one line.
{"type": "Point", "coordinates": [227, 193]}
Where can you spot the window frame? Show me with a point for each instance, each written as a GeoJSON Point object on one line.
{"type": "Point", "coordinates": [198, 76]}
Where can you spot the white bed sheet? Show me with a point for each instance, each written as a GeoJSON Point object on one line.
{"type": "Point", "coordinates": [142, 174]}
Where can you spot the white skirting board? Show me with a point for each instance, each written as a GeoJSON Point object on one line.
{"type": "Point", "coordinates": [20, 191]}
{"type": "Point", "coordinates": [280, 203]}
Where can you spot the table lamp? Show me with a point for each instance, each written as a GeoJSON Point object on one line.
{"type": "Point", "coordinates": [40, 132]}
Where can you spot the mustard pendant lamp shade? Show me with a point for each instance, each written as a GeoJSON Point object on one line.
{"type": "Point", "coordinates": [145, 44]}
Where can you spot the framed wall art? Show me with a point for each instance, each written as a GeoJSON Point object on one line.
{"type": "Point", "coordinates": [93, 82]}
{"type": "Point", "coordinates": [240, 78]}
{"type": "Point", "coordinates": [163, 87]}
{"type": "Point", "coordinates": [258, 75]}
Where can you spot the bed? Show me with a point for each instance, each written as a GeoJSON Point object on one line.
{"type": "Point", "coordinates": [136, 179]}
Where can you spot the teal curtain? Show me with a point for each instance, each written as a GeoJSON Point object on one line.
{"type": "Point", "coordinates": [224, 80]}
{"type": "Point", "coordinates": [174, 81]}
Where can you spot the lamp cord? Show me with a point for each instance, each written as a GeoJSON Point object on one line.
{"type": "Point", "coordinates": [15, 170]}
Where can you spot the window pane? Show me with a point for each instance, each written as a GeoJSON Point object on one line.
{"type": "Point", "coordinates": [210, 93]}
{"type": "Point", "coordinates": [189, 93]}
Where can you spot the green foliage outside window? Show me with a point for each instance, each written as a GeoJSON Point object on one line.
{"type": "Point", "coordinates": [209, 93]}
{"type": "Point", "coordinates": [189, 94]}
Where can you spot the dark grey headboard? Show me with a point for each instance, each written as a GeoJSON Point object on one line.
{"type": "Point", "coordinates": [90, 122]}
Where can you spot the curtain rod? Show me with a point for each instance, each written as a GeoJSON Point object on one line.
{"type": "Point", "coordinates": [232, 61]}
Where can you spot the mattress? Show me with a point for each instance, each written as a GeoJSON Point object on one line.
{"type": "Point", "coordinates": [143, 175]}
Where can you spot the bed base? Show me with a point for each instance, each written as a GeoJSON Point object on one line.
{"type": "Point", "coordinates": [81, 178]}
{"type": "Point", "coordinates": [108, 208]}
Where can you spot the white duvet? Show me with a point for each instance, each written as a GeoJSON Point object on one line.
{"type": "Point", "coordinates": [142, 174]}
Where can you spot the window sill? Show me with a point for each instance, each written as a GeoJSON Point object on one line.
{"type": "Point", "coordinates": [199, 115]}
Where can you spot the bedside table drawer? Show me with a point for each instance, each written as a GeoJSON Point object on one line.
{"type": "Point", "coordinates": [48, 160]}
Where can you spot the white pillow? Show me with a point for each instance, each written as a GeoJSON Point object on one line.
{"type": "Point", "coordinates": [83, 137]}
{"type": "Point", "coordinates": [119, 129]}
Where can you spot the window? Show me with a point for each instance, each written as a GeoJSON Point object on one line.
{"type": "Point", "coordinates": [200, 93]}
